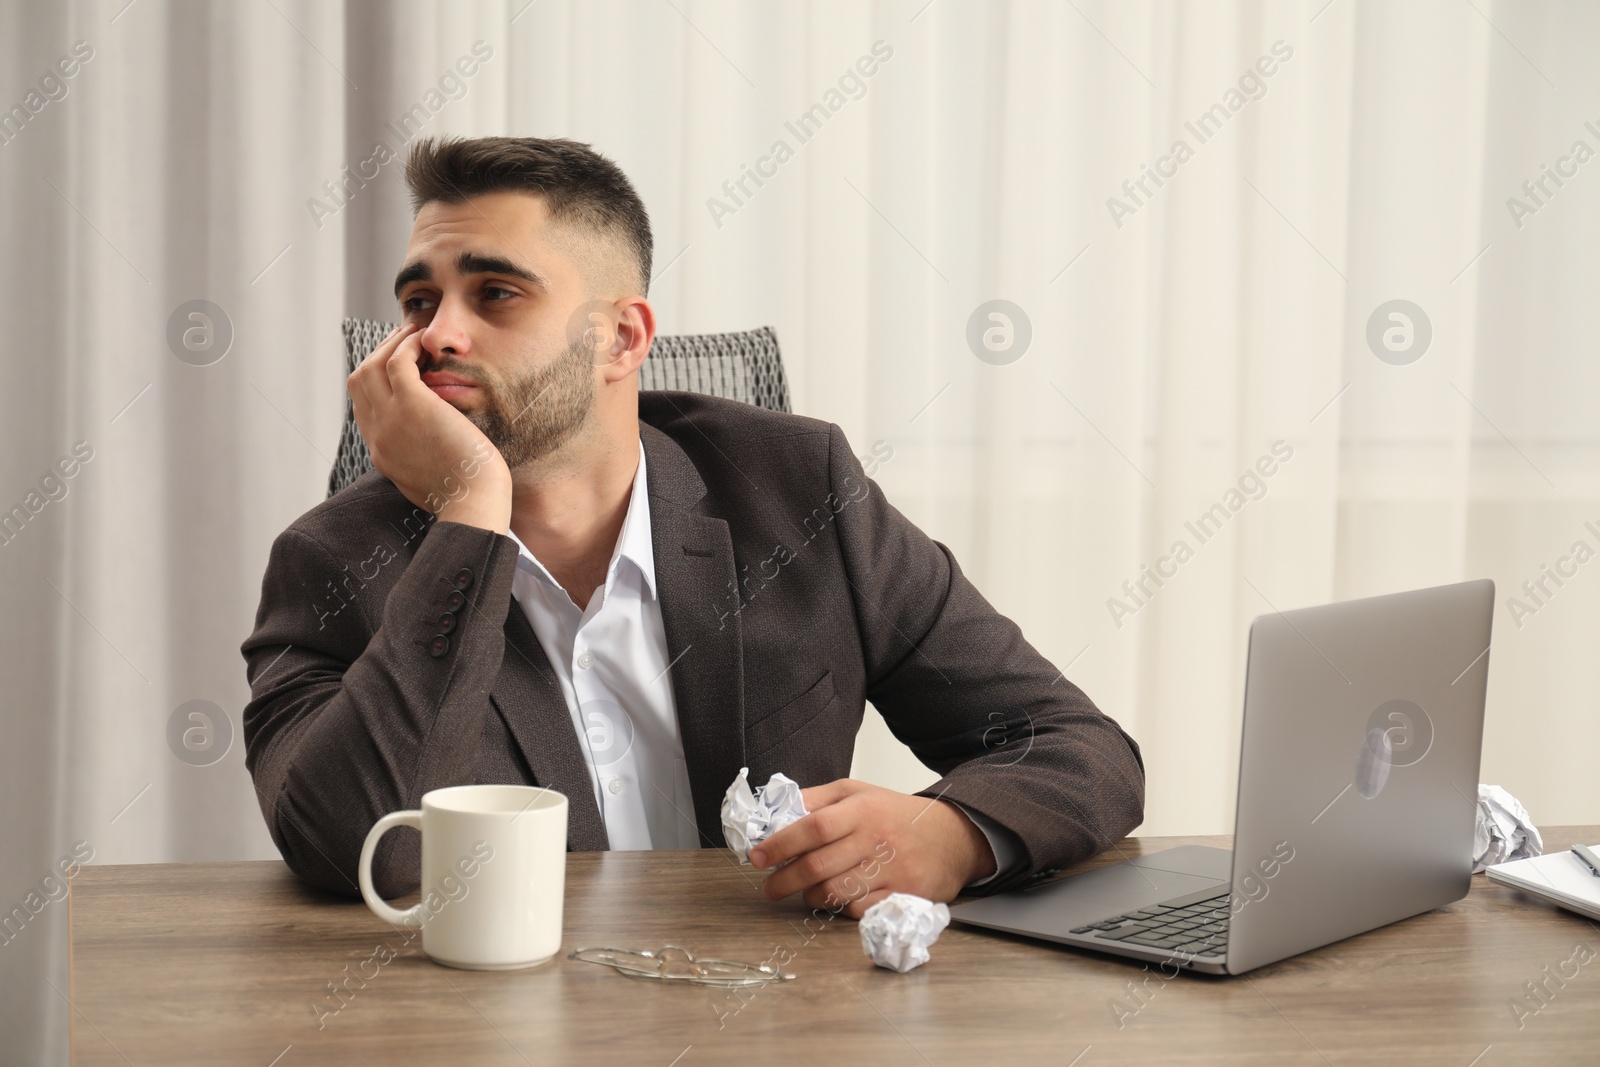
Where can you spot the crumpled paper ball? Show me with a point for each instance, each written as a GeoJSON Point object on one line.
{"type": "Point", "coordinates": [1505, 830]}
{"type": "Point", "coordinates": [749, 816]}
{"type": "Point", "coordinates": [898, 930]}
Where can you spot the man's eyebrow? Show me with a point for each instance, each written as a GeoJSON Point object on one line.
{"type": "Point", "coordinates": [469, 263]}
{"type": "Point", "coordinates": [479, 263]}
{"type": "Point", "coordinates": [411, 272]}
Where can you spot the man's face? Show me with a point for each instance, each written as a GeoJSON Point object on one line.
{"type": "Point", "coordinates": [492, 285]}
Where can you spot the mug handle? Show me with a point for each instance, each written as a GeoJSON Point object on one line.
{"type": "Point", "coordinates": [393, 916]}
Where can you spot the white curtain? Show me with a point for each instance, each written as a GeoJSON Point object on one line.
{"type": "Point", "coordinates": [940, 155]}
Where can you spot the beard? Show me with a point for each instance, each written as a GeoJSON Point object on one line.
{"type": "Point", "coordinates": [529, 416]}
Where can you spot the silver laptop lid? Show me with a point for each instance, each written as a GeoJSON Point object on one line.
{"type": "Point", "coordinates": [1358, 776]}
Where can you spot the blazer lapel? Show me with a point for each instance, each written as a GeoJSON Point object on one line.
{"type": "Point", "coordinates": [529, 699]}
{"type": "Point", "coordinates": [696, 584]}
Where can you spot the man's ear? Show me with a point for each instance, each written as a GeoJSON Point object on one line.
{"type": "Point", "coordinates": [632, 333]}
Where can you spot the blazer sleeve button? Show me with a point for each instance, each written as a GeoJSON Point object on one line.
{"type": "Point", "coordinates": [463, 580]}
{"type": "Point", "coordinates": [447, 622]}
{"type": "Point", "coordinates": [439, 646]}
{"type": "Point", "coordinates": [455, 601]}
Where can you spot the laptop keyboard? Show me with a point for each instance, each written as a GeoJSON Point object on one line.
{"type": "Point", "coordinates": [1193, 925]}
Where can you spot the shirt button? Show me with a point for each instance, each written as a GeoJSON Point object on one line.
{"type": "Point", "coordinates": [616, 785]}
{"type": "Point", "coordinates": [586, 660]}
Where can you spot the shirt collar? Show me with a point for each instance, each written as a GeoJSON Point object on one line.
{"type": "Point", "coordinates": [634, 543]}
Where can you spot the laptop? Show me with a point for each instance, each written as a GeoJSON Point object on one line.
{"type": "Point", "coordinates": [1358, 786]}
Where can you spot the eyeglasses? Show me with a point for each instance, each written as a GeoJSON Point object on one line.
{"type": "Point", "coordinates": [674, 963]}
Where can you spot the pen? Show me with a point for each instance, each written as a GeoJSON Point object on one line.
{"type": "Point", "coordinates": [1590, 860]}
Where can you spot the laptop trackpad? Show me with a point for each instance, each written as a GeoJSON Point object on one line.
{"type": "Point", "coordinates": [1054, 909]}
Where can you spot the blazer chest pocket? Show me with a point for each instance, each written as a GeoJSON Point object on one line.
{"type": "Point", "coordinates": [778, 726]}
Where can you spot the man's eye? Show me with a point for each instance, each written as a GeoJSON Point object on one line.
{"type": "Point", "coordinates": [497, 289]}
{"type": "Point", "coordinates": [412, 304]}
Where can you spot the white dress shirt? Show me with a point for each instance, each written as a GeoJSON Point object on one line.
{"type": "Point", "coordinates": [611, 661]}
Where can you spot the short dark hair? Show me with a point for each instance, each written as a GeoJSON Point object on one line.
{"type": "Point", "coordinates": [577, 183]}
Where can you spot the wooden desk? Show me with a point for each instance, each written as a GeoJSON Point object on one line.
{"type": "Point", "coordinates": [219, 963]}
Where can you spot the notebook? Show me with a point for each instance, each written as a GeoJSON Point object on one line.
{"type": "Point", "coordinates": [1559, 877]}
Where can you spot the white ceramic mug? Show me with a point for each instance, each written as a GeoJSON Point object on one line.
{"type": "Point", "coordinates": [494, 865]}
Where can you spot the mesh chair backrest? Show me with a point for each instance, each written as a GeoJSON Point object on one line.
{"type": "Point", "coordinates": [739, 366]}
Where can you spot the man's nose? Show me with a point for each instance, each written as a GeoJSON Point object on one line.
{"type": "Point", "coordinates": [446, 333]}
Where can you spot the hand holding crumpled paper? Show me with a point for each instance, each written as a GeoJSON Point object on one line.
{"type": "Point", "coordinates": [898, 930]}
{"type": "Point", "coordinates": [749, 817]}
{"type": "Point", "coordinates": [1505, 830]}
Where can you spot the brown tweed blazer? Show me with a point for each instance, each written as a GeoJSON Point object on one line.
{"type": "Point", "coordinates": [791, 591]}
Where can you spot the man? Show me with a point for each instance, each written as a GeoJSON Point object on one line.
{"type": "Point", "coordinates": [552, 578]}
